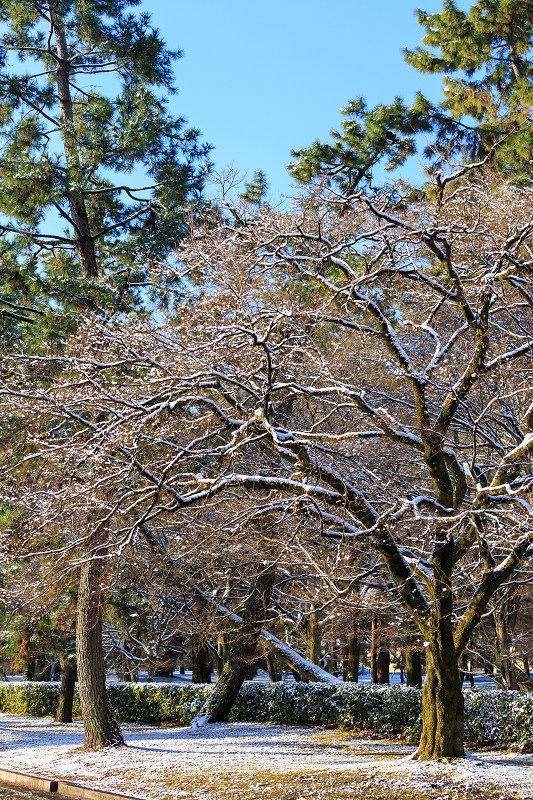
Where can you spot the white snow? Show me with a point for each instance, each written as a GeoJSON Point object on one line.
{"type": "Point", "coordinates": [158, 761]}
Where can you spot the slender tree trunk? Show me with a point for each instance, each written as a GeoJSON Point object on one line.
{"type": "Point", "coordinates": [83, 240]}
{"type": "Point", "coordinates": [313, 637]}
{"type": "Point", "coordinates": [525, 663]}
{"type": "Point", "coordinates": [354, 656]}
{"type": "Point", "coordinates": [66, 690]}
{"type": "Point", "coordinates": [100, 724]}
{"type": "Point", "coordinates": [243, 647]}
{"type": "Point", "coordinates": [503, 648]}
{"type": "Point", "coordinates": [374, 649]}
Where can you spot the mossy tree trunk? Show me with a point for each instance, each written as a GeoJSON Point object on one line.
{"type": "Point", "coordinates": [442, 696]}
{"type": "Point", "coordinates": [99, 722]}
{"type": "Point", "coordinates": [442, 708]}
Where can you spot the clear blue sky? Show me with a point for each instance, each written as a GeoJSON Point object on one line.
{"type": "Point", "coordinates": [261, 77]}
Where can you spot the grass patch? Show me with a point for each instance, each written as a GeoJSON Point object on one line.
{"type": "Point", "coordinates": [313, 785]}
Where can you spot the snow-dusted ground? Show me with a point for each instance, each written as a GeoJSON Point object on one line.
{"type": "Point", "coordinates": [237, 759]}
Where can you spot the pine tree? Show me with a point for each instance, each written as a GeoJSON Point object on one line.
{"type": "Point", "coordinates": [255, 191]}
{"type": "Point", "coordinates": [384, 135]}
{"type": "Point", "coordinates": [484, 55]}
{"type": "Point", "coordinates": [93, 180]}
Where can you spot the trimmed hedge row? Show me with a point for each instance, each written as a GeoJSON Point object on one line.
{"type": "Point", "coordinates": [492, 717]}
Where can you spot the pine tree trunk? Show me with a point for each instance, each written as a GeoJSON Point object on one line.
{"type": "Point", "coordinates": [66, 690]}
{"type": "Point", "coordinates": [83, 240]}
{"type": "Point", "coordinates": [100, 724]}
{"type": "Point", "coordinates": [243, 647]}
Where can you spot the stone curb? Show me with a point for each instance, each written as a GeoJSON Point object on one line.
{"type": "Point", "coordinates": [61, 788]}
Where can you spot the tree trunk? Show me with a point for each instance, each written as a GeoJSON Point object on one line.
{"type": "Point", "coordinates": [313, 637]}
{"type": "Point", "coordinates": [100, 724]}
{"type": "Point", "coordinates": [442, 707]}
{"type": "Point", "coordinates": [29, 670]}
{"type": "Point", "coordinates": [83, 240]}
{"type": "Point", "coordinates": [374, 649]}
{"type": "Point", "coordinates": [223, 652]}
{"type": "Point", "coordinates": [413, 664]}
{"type": "Point", "coordinates": [218, 705]}
{"type": "Point", "coordinates": [201, 659]}
{"type": "Point", "coordinates": [503, 648]}
{"type": "Point", "coordinates": [66, 690]}
{"type": "Point", "coordinates": [354, 655]}
{"type": "Point", "coordinates": [273, 673]}
{"type": "Point", "coordinates": [383, 665]}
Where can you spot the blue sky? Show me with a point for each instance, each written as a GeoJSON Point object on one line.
{"type": "Point", "coordinates": [261, 77]}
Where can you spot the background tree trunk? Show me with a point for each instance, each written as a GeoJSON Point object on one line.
{"type": "Point", "coordinates": [413, 664]}
{"type": "Point", "coordinates": [383, 665]}
{"type": "Point", "coordinates": [201, 659]}
{"type": "Point", "coordinates": [243, 647]}
{"type": "Point", "coordinates": [354, 655]}
{"type": "Point", "coordinates": [99, 722]}
{"type": "Point", "coordinates": [374, 649]}
{"type": "Point", "coordinates": [66, 690]}
{"type": "Point", "coordinates": [273, 672]}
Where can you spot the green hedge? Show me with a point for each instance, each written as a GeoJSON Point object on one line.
{"type": "Point", "coordinates": [492, 717]}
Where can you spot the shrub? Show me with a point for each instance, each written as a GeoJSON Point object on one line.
{"type": "Point", "coordinates": [29, 697]}
{"type": "Point", "coordinates": [492, 717]}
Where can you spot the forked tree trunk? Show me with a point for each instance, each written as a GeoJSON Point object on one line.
{"type": "Point", "coordinates": [66, 690]}
{"type": "Point", "coordinates": [218, 705]}
{"type": "Point", "coordinates": [442, 707]}
{"type": "Point", "coordinates": [99, 722]}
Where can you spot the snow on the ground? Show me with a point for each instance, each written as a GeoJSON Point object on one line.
{"type": "Point", "coordinates": [155, 758]}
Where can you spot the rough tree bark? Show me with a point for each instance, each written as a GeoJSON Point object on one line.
{"type": "Point", "coordinates": [100, 724]}
{"type": "Point", "coordinates": [442, 697]}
